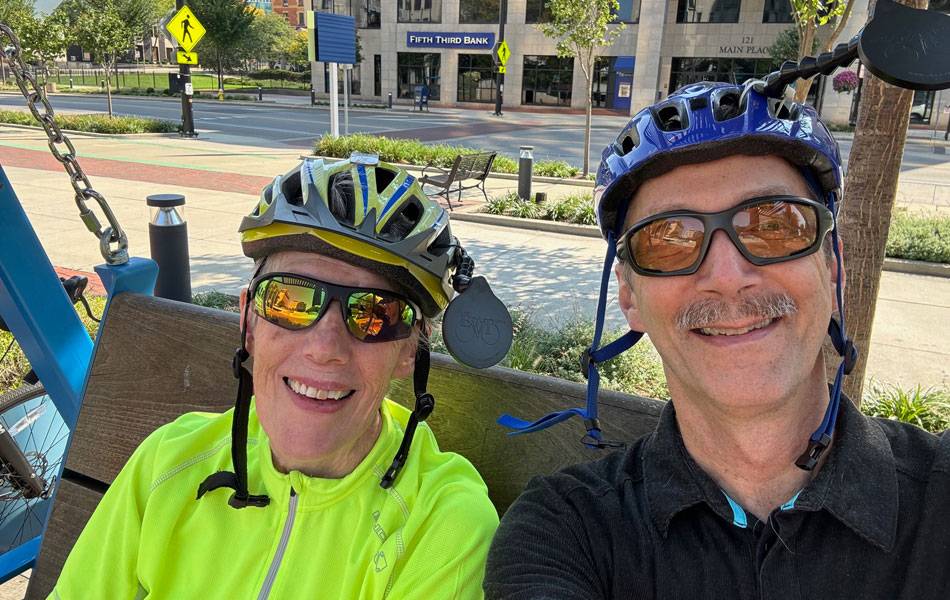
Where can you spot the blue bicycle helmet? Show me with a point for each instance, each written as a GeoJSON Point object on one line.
{"type": "Point", "coordinates": [706, 121]}
{"type": "Point", "coordinates": [698, 123]}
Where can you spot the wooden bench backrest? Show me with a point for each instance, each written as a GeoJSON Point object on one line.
{"type": "Point", "coordinates": [159, 359]}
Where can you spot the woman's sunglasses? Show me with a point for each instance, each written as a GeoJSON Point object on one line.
{"type": "Point", "coordinates": [296, 302]}
{"type": "Point", "coordinates": [766, 230]}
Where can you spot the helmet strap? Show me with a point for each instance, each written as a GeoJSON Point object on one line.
{"type": "Point", "coordinates": [820, 440]}
{"type": "Point", "coordinates": [589, 360]}
{"type": "Point", "coordinates": [237, 480]}
{"type": "Point", "coordinates": [425, 403]}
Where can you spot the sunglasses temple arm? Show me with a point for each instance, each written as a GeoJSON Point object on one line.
{"type": "Point", "coordinates": [425, 403]}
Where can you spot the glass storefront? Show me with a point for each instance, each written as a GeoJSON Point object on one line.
{"type": "Point", "coordinates": [613, 82]}
{"type": "Point", "coordinates": [547, 80]}
{"type": "Point", "coordinates": [707, 11]}
{"type": "Point", "coordinates": [415, 69]}
{"type": "Point", "coordinates": [479, 11]}
{"type": "Point", "coordinates": [629, 12]}
{"type": "Point", "coordinates": [730, 70]}
{"type": "Point", "coordinates": [476, 78]}
{"type": "Point", "coordinates": [419, 11]}
{"type": "Point", "coordinates": [536, 11]}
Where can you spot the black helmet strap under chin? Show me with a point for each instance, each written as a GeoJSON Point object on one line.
{"type": "Point", "coordinates": [425, 403]}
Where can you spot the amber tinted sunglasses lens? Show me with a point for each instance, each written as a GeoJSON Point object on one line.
{"type": "Point", "coordinates": [668, 244]}
{"type": "Point", "coordinates": [378, 318]}
{"type": "Point", "coordinates": [776, 229]}
{"type": "Point", "coordinates": [288, 302]}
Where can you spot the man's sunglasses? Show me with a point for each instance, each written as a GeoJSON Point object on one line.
{"type": "Point", "coordinates": [766, 230]}
{"type": "Point", "coordinates": [297, 302]}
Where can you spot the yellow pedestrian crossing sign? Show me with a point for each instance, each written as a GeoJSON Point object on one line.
{"type": "Point", "coordinates": [187, 58]}
{"type": "Point", "coordinates": [502, 70]}
{"type": "Point", "coordinates": [503, 53]}
{"type": "Point", "coordinates": [186, 29]}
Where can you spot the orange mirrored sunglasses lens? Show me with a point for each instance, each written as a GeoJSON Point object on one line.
{"type": "Point", "coordinates": [668, 244]}
{"type": "Point", "coordinates": [776, 229]}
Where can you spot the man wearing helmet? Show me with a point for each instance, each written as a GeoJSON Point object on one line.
{"type": "Point", "coordinates": [759, 480]}
{"type": "Point", "coordinates": [316, 486]}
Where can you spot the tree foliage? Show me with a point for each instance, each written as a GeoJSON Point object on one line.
{"type": "Point", "coordinates": [579, 28]}
{"type": "Point", "coordinates": [269, 39]}
{"type": "Point", "coordinates": [228, 23]}
{"type": "Point", "coordinates": [817, 20]}
{"type": "Point", "coordinates": [101, 32]}
{"type": "Point", "coordinates": [787, 46]}
{"type": "Point", "coordinates": [15, 13]}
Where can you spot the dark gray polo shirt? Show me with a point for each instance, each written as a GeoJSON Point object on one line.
{"type": "Point", "coordinates": [648, 523]}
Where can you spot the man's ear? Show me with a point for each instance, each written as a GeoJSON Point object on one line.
{"type": "Point", "coordinates": [627, 299]}
{"type": "Point", "coordinates": [249, 337]}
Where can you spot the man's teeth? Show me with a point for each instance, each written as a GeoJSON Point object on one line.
{"type": "Point", "coordinates": [312, 392]}
{"type": "Point", "coordinates": [734, 331]}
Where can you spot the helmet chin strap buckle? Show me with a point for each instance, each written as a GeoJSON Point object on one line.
{"type": "Point", "coordinates": [809, 459]}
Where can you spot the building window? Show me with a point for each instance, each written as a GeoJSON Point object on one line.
{"type": "Point", "coordinates": [476, 81]}
{"type": "Point", "coordinates": [420, 11]}
{"type": "Point", "coordinates": [377, 75]}
{"type": "Point", "coordinates": [284, 3]}
{"type": "Point", "coordinates": [629, 12]}
{"type": "Point", "coordinates": [299, 2]}
{"type": "Point", "coordinates": [777, 11]}
{"type": "Point", "coordinates": [415, 70]}
{"type": "Point", "coordinates": [730, 70]}
{"type": "Point", "coordinates": [537, 11]}
{"type": "Point", "coordinates": [547, 80]}
{"type": "Point", "coordinates": [300, 19]}
{"type": "Point", "coordinates": [367, 13]}
{"type": "Point", "coordinates": [478, 11]}
{"type": "Point", "coordinates": [707, 11]}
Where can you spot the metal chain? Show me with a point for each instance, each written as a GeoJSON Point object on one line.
{"type": "Point", "coordinates": [113, 243]}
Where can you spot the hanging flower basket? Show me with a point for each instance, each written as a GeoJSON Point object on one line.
{"type": "Point", "coordinates": [845, 82]}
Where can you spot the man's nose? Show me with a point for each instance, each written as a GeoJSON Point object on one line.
{"type": "Point", "coordinates": [725, 270]}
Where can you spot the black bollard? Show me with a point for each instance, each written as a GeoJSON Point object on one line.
{"type": "Point", "coordinates": [168, 242]}
{"type": "Point", "coordinates": [260, 94]}
{"type": "Point", "coordinates": [313, 96]}
{"type": "Point", "coordinates": [390, 100]}
{"type": "Point", "coordinates": [525, 164]}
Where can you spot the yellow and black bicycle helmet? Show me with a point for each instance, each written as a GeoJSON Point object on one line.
{"type": "Point", "coordinates": [365, 212]}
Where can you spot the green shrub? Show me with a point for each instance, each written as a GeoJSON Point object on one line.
{"type": "Point", "coordinates": [916, 237]}
{"type": "Point", "coordinates": [95, 123]}
{"type": "Point", "coordinates": [218, 300]}
{"type": "Point", "coordinates": [414, 152]}
{"type": "Point", "coordinates": [576, 208]}
{"type": "Point", "coordinates": [926, 408]}
{"type": "Point", "coordinates": [300, 77]}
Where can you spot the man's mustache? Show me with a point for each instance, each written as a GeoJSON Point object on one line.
{"type": "Point", "coordinates": [705, 313]}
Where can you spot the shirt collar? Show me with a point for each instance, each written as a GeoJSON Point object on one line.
{"type": "Point", "coordinates": [857, 484]}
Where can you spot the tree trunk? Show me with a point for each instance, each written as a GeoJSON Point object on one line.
{"type": "Point", "coordinates": [865, 215]}
{"type": "Point", "coordinates": [108, 70]}
{"type": "Point", "coordinates": [590, 89]}
{"type": "Point", "coordinates": [802, 86]}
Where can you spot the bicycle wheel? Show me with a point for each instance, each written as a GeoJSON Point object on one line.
{"type": "Point", "coordinates": [30, 416]}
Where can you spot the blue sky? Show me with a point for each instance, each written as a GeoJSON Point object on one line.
{"type": "Point", "coordinates": [46, 6]}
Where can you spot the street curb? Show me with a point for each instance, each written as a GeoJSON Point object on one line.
{"type": "Point", "coordinates": [896, 265]}
{"type": "Point", "coordinates": [506, 176]}
{"type": "Point", "coordinates": [91, 133]}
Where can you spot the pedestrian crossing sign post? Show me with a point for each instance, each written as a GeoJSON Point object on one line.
{"type": "Point", "coordinates": [503, 53]}
{"type": "Point", "coordinates": [186, 29]}
{"type": "Point", "coordinates": [502, 70]}
{"type": "Point", "coordinates": [187, 58]}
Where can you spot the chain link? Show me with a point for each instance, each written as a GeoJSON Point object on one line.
{"type": "Point", "coordinates": [113, 243]}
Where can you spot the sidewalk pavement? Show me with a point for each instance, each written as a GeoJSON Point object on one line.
{"type": "Point", "coordinates": [553, 275]}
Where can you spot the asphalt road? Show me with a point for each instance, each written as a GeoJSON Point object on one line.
{"type": "Point", "coordinates": [554, 136]}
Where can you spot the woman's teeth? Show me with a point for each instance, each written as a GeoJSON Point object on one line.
{"type": "Point", "coordinates": [317, 394]}
{"type": "Point", "coordinates": [734, 331]}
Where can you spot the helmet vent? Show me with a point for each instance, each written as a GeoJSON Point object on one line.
{"type": "Point", "coordinates": [342, 199]}
{"type": "Point", "coordinates": [627, 145]}
{"type": "Point", "coordinates": [670, 118]}
{"type": "Point", "coordinates": [383, 178]}
{"type": "Point", "coordinates": [290, 188]}
{"type": "Point", "coordinates": [728, 107]}
{"type": "Point", "coordinates": [403, 221]}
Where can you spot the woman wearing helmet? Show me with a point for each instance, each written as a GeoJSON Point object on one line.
{"type": "Point", "coordinates": [315, 486]}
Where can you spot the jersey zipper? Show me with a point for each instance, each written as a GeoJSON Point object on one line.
{"type": "Point", "coordinates": [281, 548]}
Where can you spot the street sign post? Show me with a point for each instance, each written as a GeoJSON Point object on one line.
{"type": "Point", "coordinates": [503, 52]}
{"type": "Point", "coordinates": [187, 30]}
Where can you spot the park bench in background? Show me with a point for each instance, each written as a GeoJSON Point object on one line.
{"type": "Point", "coordinates": [158, 359]}
{"type": "Point", "coordinates": [466, 167]}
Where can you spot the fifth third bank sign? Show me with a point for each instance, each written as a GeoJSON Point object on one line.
{"type": "Point", "coordinates": [466, 39]}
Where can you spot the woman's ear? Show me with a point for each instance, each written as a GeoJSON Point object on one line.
{"type": "Point", "coordinates": [406, 362]}
{"type": "Point", "coordinates": [627, 299]}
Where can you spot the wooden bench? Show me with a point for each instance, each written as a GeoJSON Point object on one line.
{"type": "Point", "coordinates": [159, 359]}
{"type": "Point", "coordinates": [465, 167]}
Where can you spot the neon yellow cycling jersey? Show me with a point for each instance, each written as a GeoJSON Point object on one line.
{"type": "Point", "coordinates": [425, 538]}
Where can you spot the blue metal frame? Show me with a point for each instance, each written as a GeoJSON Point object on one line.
{"type": "Point", "coordinates": [46, 326]}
